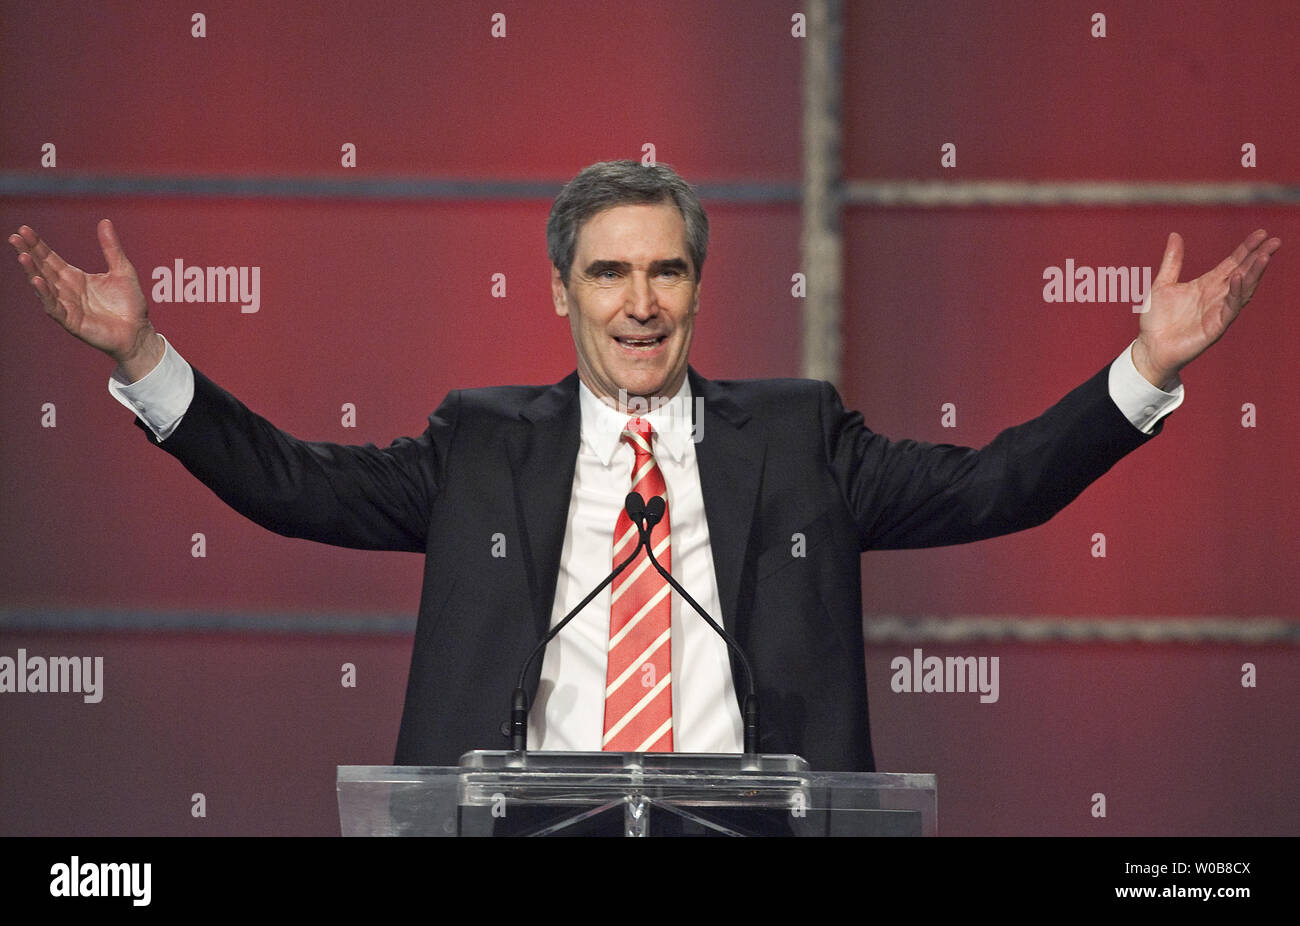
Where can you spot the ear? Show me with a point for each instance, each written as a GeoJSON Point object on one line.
{"type": "Point", "coordinates": [559, 293]}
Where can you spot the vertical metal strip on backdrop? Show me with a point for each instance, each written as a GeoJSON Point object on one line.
{"type": "Point", "coordinates": [821, 239]}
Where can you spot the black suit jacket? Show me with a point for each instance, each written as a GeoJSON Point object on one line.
{"type": "Point", "coordinates": [777, 458]}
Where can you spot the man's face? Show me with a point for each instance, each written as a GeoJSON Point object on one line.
{"type": "Point", "coordinates": [631, 301]}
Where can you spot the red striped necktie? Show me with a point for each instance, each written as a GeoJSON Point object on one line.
{"type": "Point", "coordinates": [638, 681]}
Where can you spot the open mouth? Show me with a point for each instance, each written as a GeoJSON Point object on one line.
{"type": "Point", "coordinates": [641, 343]}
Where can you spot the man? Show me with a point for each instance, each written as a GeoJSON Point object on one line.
{"type": "Point", "coordinates": [544, 470]}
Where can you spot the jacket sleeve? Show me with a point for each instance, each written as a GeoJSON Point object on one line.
{"type": "Point", "coordinates": [352, 496]}
{"type": "Point", "coordinates": [905, 494]}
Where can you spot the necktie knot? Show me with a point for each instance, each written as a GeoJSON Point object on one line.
{"type": "Point", "coordinates": [638, 433]}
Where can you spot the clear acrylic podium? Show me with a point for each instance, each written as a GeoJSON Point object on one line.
{"type": "Point", "coordinates": [501, 793]}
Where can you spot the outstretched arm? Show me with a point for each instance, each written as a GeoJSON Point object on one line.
{"type": "Point", "coordinates": [907, 494]}
{"type": "Point", "coordinates": [352, 496]}
{"type": "Point", "coordinates": [1183, 319]}
{"type": "Point", "coordinates": [106, 310]}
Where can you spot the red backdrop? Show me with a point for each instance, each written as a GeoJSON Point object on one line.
{"type": "Point", "coordinates": [387, 304]}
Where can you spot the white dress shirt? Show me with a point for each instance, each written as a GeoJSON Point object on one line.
{"type": "Point", "coordinates": [568, 712]}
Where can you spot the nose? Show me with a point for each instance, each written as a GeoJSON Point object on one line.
{"type": "Point", "coordinates": [641, 303]}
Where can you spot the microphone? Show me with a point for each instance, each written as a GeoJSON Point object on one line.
{"type": "Point", "coordinates": [654, 513]}
{"type": "Point", "coordinates": [635, 507]}
{"type": "Point", "coordinates": [517, 727]}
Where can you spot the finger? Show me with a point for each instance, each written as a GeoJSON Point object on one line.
{"type": "Point", "coordinates": [1253, 267]}
{"type": "Point", "coordinates": [112, 247]}
{"type": "Point", "coordinates": [1252, 259]}
{"type": "Point", "coordinates": [46, 289]}
{"type": "Point", "coordinates": [1244, 249]}
{"type": "Point", "coordinates": [29, 266]}
{"type": "Point", "coordinates": [1172, 264]}
{"type": "Point", "coordinates": [1245, 255]}
{"type": "Point", "coordinates": [1270, 247]}
{"type": "Point", "coordinates": [23, 239]}
{"type": "Point", "coordinates": [1234, 292]}
{"type": "Point", "coordinates": [47, 261]}
{"type": "Point", "coordinates": [21, 247]}
{"type": "Point", "coordinates": [39, 276]}
{"type": "Point", "coordinates": [1250, 278]}
{"type": "Point", "coordinates": [49, 298]}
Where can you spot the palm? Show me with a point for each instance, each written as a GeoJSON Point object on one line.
{"type": "Point", "coordinates": [106, 310]}
{"type": "Point", "coordinates": [1183, 319]}
{"type": "Point", "coordinates": [101, 308]}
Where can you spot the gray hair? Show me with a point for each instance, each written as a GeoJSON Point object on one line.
{"type": "Point", "coordinates": [619, 183]}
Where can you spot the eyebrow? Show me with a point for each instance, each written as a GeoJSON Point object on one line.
{"type": "Point", "coordinates": [622, 266]}
{"type": "Point", "coordinates": [673, 263]}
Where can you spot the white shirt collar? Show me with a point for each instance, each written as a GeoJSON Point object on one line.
{"type": "Point", "coordinates": [602, 426]}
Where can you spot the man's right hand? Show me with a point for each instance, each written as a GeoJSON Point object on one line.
{"type": "Point", "coordinates": [106, 310]}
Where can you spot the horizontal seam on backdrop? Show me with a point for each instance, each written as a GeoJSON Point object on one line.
{"type": "Point", "coordinates": [114, 621]}
{"type": "Point", "coordinates": [880, 193]}
{"type": "Point", "coordinates": [26, 184]}
{"type": "Point", "coordinates": [1050, 630]}
{"type": "Point", "coordinates": [878, 629]}
{"type": "Point", "coordinates": [938, 193]}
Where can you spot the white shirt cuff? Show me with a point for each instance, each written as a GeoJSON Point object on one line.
{"type": "Point", "coordinates": [161, 398]}
{"type": "Point", "coordinates": [1142, 403]}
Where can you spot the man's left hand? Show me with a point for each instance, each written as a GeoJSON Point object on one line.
{"type": "Point", "coordinates": [1183, 319]}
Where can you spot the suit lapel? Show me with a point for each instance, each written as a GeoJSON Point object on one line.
{"type": "Point", "coordinates": [730, 460]}
{"type": "Point", "coordinates": [543, 454]}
